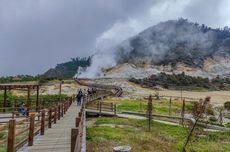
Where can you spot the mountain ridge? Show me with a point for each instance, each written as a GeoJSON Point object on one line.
{"type": "Point", "coordinates": [174, 46]}
{"type": "Point", "coordinates": [173, 41]}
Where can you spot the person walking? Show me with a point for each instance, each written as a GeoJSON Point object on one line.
{"type": "Point", "coordinates": [23, 109]}
{"type": "Point", "coordinates": [79, 97]}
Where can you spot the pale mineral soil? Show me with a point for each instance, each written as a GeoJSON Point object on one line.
{"type": "Point", "coordinates": [69, 87]}
{"type": "Point", "coordinates": [217, 97]}
{"type": "Point", "coordinates": [132, 90]}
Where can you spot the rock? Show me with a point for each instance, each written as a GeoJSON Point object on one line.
{"type": "Point", "coordinates": [122, 149]}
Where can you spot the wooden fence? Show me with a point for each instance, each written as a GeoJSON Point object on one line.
{"type": "Point", "coordinates": [77, 132]}
{"type": "Point", "coordinates": [114, 90]}
{"type": "Point", "coordinates": [23, 131]}
{"type": "Point", "coordinates": [102, 106]}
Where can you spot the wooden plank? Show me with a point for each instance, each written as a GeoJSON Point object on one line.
{"type": "Point", "coordinates": [58, 138]}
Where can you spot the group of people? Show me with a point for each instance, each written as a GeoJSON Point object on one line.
{"type": "Point", "coordinates": [91, 91]}
{"type": "Point", "coordinates": [23, 109]}
{"type": "Point", "coordinates": [80, 94]}
{"type": "Point", "coordinates": [79, 97]}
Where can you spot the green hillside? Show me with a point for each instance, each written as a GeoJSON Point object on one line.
{"type": "Point", "coordinates": [68, 69]}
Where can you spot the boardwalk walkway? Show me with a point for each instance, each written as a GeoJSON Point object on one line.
{"type": "Point", "coordinates": [57, 139]}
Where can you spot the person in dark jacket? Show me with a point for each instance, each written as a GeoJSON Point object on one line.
{"type": "Point", "coordinates": [89, 91]}
{"type": "Point", "coordinates": [23, 109]}
{"type": "Point", "coordinates": [79, 97]}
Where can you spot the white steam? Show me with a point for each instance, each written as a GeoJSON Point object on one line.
{"type": "Point", "coordinates": [105, 54]}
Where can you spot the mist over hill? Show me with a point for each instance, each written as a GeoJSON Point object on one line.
{"type": "Point", "coordinates": [175, 41]}
{"type": "Point", "coordinates": [171, 44]}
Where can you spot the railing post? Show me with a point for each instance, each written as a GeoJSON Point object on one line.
{"type": "Point", "coordinates": [59, 111]}
{"type": "Point", "coordinates": [64, 107]}
{"type": "Point", "coordinates": [31, 131]}
{"type": "Point", "coordinates": [77, 122]}
{"type": "Point", "coordinates": [111, 105]}
{"type": "Point", "coordinates": [62, 110]}
{"type": "Point", "coordinates": [79, 114]}
{"type": "Point", "coordinates": [74, 134]}
{"type": "Point", "coordinates": [55, 115]}
{"type": "Point", "coordinates": [12, 115]}
{"type": "Point", "coordinates": [182, 112]}
{"type": "Point", "coordinates": [28, 112]}
{"type": "Point", "coordinates": [100, 109]}
{"type": "Point", "coordinates": [67, 105]}
{"type": "Point", "coordinates": [98, 105]}
{"type": "Point", "coordinates": [170, 105]}
{"type": "Point", "coordinates": [115, 109]}
{"type": "Point", "coordinates": [11, 135]}
{"type": "Point", "coordinates": [39, 115]}
{"type": "Point", "coordinates": [50, 118]}
{"type": "Point", "coordinates": [70, 103]}
{"type": "Point", "coordinates": [43, 123]}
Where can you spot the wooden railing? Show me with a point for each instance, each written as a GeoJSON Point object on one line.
{"type": "Point", "coordinates": [23, 131]}
{"type": "Point", "coordinates": [102, 106]}
{"type": "Point", "coordinates": [77, 132]}
{"type": "Point", "coordinates": [115, 90]}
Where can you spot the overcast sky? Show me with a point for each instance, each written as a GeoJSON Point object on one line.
{"type": "Point", "coordinates": [37, 34]}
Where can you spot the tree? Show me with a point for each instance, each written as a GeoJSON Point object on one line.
{"type": "Point", "coordinates": [149, 111]}
{"type": "Point", "coordinates": [198, 113]}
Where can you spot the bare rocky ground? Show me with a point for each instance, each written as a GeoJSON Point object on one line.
{"type": "Point", "coordinates": [132, 90]}
{"type": "Point", "coordinates": [212, 68]}
{"type": "Point", "coordinates": [69, 87]}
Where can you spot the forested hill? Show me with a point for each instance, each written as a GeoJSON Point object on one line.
{"type": "Point", "coordinates": [68, 69]}
{"type": "Point", "coordinates": [65, 70]}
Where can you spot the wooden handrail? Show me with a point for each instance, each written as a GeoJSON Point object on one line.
{"type": "Point", "coordinates": [77, 132]}
{"type": "Point", "coordinates": [35, 124]}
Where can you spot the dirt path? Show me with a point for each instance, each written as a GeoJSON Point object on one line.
{"type": "Point", "coordinates": [217, 97]}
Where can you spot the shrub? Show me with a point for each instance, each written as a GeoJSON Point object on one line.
{"type": "Point", "coordinates": [213, 119]}
{"type": "Point", "coordinates": [210, 110]}
{"type": "Point", "coordinates": [227, 116]}
{"type": "Point", "coordinates": [227, 105]}
{"type": "Point", "coordinates": [228, 125]}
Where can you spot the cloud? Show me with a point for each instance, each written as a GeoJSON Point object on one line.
{"type": "Point", "coordinates": [36, 35]}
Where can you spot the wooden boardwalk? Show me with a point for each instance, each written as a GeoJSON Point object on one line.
{"type": "Point", "coordinates": [58, 138]}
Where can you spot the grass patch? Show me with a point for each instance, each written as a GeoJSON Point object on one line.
{"type": "Point", "coordinates": [159, 106]}
{"type": "Point", "coordinates": [228, 125]}
{"type": "Point", "coordinates": [161, 138]}
{"type": "Point", "coordinates": [45, 100]}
